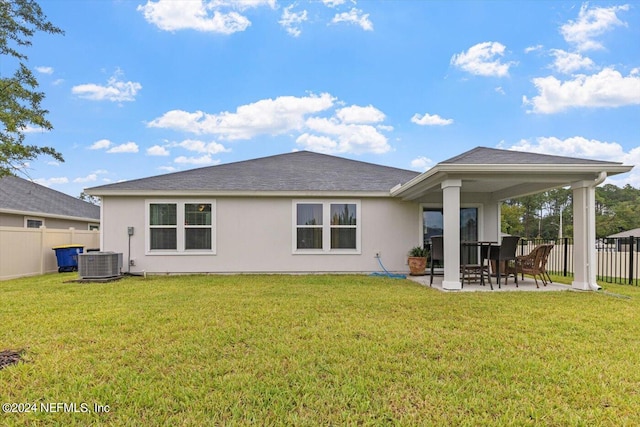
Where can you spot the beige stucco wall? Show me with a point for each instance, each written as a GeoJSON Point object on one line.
{"type": "Point", "coordinates": [255, 235]}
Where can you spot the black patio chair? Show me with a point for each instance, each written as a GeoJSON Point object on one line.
{"type": "Point", "coordinates": [504, 254]}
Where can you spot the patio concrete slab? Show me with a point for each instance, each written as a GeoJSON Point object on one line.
{"type": "Point", "coordinates": [526, 285]}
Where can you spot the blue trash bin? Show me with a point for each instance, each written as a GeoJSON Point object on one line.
{"type": "Point", "coordinates": [67, 256]}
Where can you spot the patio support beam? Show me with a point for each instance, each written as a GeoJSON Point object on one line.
{"type": "Point", "coordinates": [451, 226]}
{"type": "Point", "coordinates": [584, 235]}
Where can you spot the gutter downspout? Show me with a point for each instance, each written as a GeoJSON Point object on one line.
{"type": "Point", "coordinates": [601, 177]}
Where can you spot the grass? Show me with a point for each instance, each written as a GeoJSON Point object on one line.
{"type": "Point", "coordinates": [317, 350]}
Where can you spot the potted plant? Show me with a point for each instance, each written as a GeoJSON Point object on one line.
{"type": "Point", "coordinates": [418, 260]}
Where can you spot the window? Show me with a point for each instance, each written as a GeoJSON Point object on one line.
{"type": "Point", "coordinates": [33, 222]}
{"type": "Point", "coordinates": [343, 226]}
{"type": "Point", "coordinates": [322, 227]}
{"type": "Point", "coordinates": [183, 227]}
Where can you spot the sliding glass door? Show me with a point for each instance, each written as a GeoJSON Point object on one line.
{"type": "Point", "coordinates": [432, 225]}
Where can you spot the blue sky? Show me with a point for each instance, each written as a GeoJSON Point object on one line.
{"type": "Point", "coordinates": [141, 88]}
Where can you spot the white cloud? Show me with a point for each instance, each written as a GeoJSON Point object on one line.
{"type": "Point", "coordinates": [267, 116]}
{"type": "Point", "coordinates": [500, 90]}
{"type": "Point", "coordinates": [57, 82]}
{"type": "Point", "coordinates": [357, 114]}
{"type": "Point", "coordinates": [45, 70]}
{"type": "Point", "coordinates": [430, 120]}
{"type": "Point", "coordinates": [216, 16]}
{"type": "Point", "coordinates": [347, 130]}
{"type": "Point", "coordinates": [53, 163]}
{"type": "Point", "coordinates": [354, 16]}
{"type": "Point", "coordinates": [422, 163]}
{"type": "Point", "coordinates": [350, 138]}
{"type": "Point", "coordinates": [115, 90]}
{"type": "Point", "coordinates": [569, 62]}
{"type": "Point", "coordinates": [203, 160]}
{"type": "Point", "coordinates": [157, 150]}
{"type": "Point", "coordinates": [320, 144]}
{"type": "Point", "coordinates": [581, 147]}
{"type": "Point", "coordinates": [100, 145]}
{"type": "Point", "coordinates": [590, 24]}
{"type": "Point", "coordinates": [291, 21]}
{"type": "Point", "coordinates": [129, 147]}
{"type": "Point", "coordinates": [48, 182]}
{"type": "Point", "coordinates": [203, 147]}
{"type": "Point", "coordinates": [535, 48]}
{"type": "Point", "coordinates": [333, 3]}
{"type": "Point", "coordinates": [483, 59]}
{"type": "Point", "coordinates": [89, 178]}
{"type": "Point", "coordinates": [608, 88]}
{"type": "Point", "coordinates": [33, 129]}
{"type": "Point", "coordinates": [167, 168]}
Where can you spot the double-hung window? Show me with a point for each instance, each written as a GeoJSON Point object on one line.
{"type": "Point", "coordinates": [326, 226]}
{"type": "Point", "coordinates": [181, 227]}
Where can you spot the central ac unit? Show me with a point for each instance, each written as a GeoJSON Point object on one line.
{"type": "Point", "coordinates": [99, 265]}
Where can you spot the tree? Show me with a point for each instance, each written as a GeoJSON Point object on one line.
{"type": "Point", "coordinates": [89, 199]}
{"type": "Point", "coordinates": [19, 97]}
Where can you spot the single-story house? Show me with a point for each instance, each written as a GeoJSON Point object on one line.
{"type": "Point", "coordinates": [626, 234]}
{"type": "Point", "coordinates": [26, 204]}
{"type": "Point", "coordinates": [304, 212]}
{"type": "Point", "coordinates": [624, 239]}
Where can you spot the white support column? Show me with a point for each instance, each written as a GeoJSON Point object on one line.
{"type": "Point", "coordinates": [451, 225]}
{"type": "Point", "coordinates": [584, 236]}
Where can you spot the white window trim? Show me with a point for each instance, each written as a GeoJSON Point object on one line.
{"type": "Point", "coordinates": [33, 218]}
{"type": "Point", "coordinates": [180, 227]}
{"type": "Point", "coordinates": [326, 227]}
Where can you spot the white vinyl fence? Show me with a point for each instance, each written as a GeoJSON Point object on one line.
{"type": "Point", "coordinates": [28, 251]}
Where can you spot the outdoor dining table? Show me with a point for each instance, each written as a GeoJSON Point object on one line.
{"type": "Point", "coordinates": [479, 244]}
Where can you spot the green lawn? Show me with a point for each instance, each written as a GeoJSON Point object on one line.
{"type": "Point", "coordinates": [317, 350]}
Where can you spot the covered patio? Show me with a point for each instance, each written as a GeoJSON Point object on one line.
{"type": "Point", "coordinates": [484, 177]}
{"type": "Point", "coordinates": [524, 285]}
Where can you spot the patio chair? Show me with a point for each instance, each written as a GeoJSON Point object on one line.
{"type": "Point", "coordinates": [471, 269]}
{"type": "Point", "coordinates": [437, 254]}
{"type": "Point", "coordinates": [534, 263]}
{"type": "Point", "coordinates": [544, 262]}
{"type": "Point", "coordinates": [504, 255]}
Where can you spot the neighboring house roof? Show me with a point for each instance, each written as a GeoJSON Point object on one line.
{"type": "Point", "coordinates": [21, 196]}
{"type": "Point", "coordinates": [629, 233]}
{"type": "Point", "coordinates": [300, 171]}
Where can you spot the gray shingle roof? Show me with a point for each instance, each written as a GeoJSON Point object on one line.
{"type": "Point", "coordinates": [484, 156]}
{"type": "Point", "coordinates": [629, 233]}
{"type": "Point", "coordinates": [297, 171]}
{"type": "Point", "coordinates": [21, 195]}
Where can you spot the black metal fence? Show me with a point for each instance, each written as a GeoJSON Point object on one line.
{"type": "Point", "coordinates": [616, 258]}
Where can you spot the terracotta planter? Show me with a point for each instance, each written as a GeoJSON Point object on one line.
{"type": "Point", "coordinates": [417, 266]}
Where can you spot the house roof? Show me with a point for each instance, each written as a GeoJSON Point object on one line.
{"type": "Point", "coordinates": [300, 171]}
{"type": "Point", "coordinates": [21, 196]}
{"type": "Point", "coordinates": [629, 233]}
{"type": "Point", "coordinates": [494, 156]}
{"type": "Point", "coordinates": [504, 174]}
